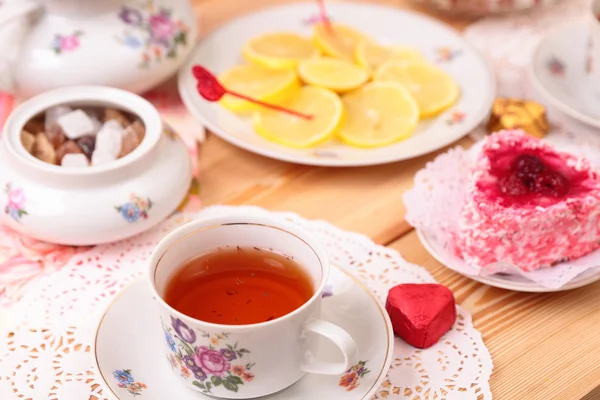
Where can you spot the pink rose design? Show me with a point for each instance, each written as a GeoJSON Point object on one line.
{"type": "Point", "coordinates": [16, 197]}
{"type": "Point", "coordinates": [161, 26]}
{"type": "Point", "coordinates": [70, 42]}
{"type": "Point", "coordinates": [211, 361]}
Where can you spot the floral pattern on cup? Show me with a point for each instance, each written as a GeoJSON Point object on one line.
{"type": "Point", "coordinates": [65, 43]}
{"type": "Point", "coordinates": [15, 206]}
{"type": "Point", "coordinates": [455, 117]}
{"type": "Point", "coordinates": [324, 154]}
{"type": "Point", "coordinates": [327, 291]}
{"type": "Point", "coordinates": [126, 381]}
{"type": "Point", "coordinates": [447, 54]}
{"type": "Point", "coordinates": [556, 66]}
{"type": "Point", "coordinates": [351, 379]}
{"type": "Point", "coordinates": [136, 208]}
{"type": "Point", "coordinates": [206, 358]}
{"type": "Point", "coordinates": [153, 31]}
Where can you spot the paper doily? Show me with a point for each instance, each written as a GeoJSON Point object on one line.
{"type": "Point", "coordinates": [47, 351]}
{"type": "Point", "coordinates": [433, 207]}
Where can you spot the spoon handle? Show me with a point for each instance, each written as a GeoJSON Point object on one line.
{"type": "Point", "coordinates": [272, 106]}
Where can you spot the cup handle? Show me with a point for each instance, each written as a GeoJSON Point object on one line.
{"type": "Point", "coordinates": [340, 338]}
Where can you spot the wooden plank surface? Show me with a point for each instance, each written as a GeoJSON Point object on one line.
{"type": "Point", "coordinates": [544, 346]}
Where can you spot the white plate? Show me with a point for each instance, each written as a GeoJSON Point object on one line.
{"type": "Point", "coordinates": [513, 282]}
{"type": "Point", "coordinates": [222, 50]}
{"type": "Point", "coordinates": [559, 73]}
{"type": "Point", "coordinates": [129, 340]}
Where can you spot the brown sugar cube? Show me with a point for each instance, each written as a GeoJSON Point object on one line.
{"type": "Point", "coordinates": [43, 149]}
{"type": "Point", "coordinates": [28, 140]}
{"type": "Point", "coordinates": [55, 135]}
{"type": "Point", "coordinates": [68, 147]}
{"type": "Point", "coordinates": [87, 144]}
{"type": "Point", "coordinates": [34, 125]}
{"type": "Point", "coordinates": [111, 113]}
{"type": "Point", "coordinates": [132, 137]}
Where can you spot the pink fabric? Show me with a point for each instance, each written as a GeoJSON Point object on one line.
{"type": "Point", "coordinates": [24, 260]}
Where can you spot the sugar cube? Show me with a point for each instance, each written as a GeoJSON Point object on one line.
{"type": "Point", "coordinates": [132, 137]}
{"type": "Point", "coordinates": [68, 147]}
{"type": "Point", "coordinates": [28, 140]}
{"type": "Point", "coordinates": [100, 157]}
{"type": "Point", "coordinates": [77, 124]}
{"type": "Point", "coordinates": [74, 160]}
{"type": "Point", "coordinates": [43, 149]}
{"type": "Point", "coordinates": [54, 113]}
{"type": "Point", "coordinates": [110, 138]}
{"type": "Point", "coordinates": [111, 113]}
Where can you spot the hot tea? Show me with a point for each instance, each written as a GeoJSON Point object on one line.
{"type": "Point", "coordinates": [238, 286]}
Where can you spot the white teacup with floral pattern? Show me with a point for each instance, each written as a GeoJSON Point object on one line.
{"type": "Point", "coordinates": [247, 361]}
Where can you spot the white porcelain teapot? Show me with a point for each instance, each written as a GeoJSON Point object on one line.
{"type": "Point", "coordinates": [129, 44]}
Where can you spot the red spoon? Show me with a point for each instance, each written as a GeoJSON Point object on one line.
{"type": "Point", "coordinates": [323, 15]}
{"type": "Point", "coordinates": [211, 89]}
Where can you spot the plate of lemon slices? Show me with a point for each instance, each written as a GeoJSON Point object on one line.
{"type": "Point", "coordinates": [379, 84]}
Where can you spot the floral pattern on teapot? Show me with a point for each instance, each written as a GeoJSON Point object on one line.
{"type": "Point", "coordinates": [153, 31]}
{"type": "Point", "coordinates": [66, 43]}
{"type": "Point", "coordinates": [15, 206]}
{"type": "Point", "coordinates": [137, 207]}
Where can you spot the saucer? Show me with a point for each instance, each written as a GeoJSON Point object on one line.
{"type": "Point", "coordinates": [511, 282]}
{"type": "Point", "coordinates": [559, 73]}
{"type": "Point", "coordinates": [440, 44]}
{"type": "Point", "coordinates": [130, 328]}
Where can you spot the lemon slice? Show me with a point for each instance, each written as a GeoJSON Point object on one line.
{"type": "Point", "coordinates": [433, 89]}
{"type": "Point", "coordinates": [340, 43]}
{"type": "Point", "coordinates": [371, 55]}
{"type": "Point", "coordinates": [332, 73]}
{"type": "Point", "coordinates": [272, 86]}
{"type": "Point", "coordinates": [325, 107]}
{"type": "Point", "coordinates": [280, 50]}
{"type": "Point", "coordinates": [378, 114]}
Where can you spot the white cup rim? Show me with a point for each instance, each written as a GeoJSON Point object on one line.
{"type": "Point", "coordinates": [236, 219]}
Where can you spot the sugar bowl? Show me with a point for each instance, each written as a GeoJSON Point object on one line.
{"type": "Point", "coordinates": [99, 166]}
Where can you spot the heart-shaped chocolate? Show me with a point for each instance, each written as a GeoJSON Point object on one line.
{"type": "Point", "coordinates": [421, 312]}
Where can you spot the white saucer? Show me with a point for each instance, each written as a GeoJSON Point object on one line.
{"type": "Point", "coordinates": [559, 65]}
{"type": "Point", "coordinates": [130, 340]}
{"type": "Point", "coordinates": [222, 49]}
{"type": "Point", "coordinates": [512, 282]}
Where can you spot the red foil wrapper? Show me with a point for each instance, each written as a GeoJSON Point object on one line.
{"type": "Point", "coordinates": [421, 313]}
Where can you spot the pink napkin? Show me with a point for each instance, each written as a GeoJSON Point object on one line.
{"type": "Point", "coordinates": [24, 260]}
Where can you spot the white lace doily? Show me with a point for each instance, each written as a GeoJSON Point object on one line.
{"type": "Point", "coordinates": [433, 207]}
{"type": "Point", "coordinates": [47, 351]}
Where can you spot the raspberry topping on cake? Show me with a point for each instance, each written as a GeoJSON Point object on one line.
{"type": "Point", "coordinates": [528, 204]}
{"type": "Point", "coordinates": [525, 171]}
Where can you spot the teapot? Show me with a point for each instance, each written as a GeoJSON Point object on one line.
{"type": "Point", "coordinates": [128, 44]}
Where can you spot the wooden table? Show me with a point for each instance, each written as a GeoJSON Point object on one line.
{"type": "Point", "coordinates": [544, 346]}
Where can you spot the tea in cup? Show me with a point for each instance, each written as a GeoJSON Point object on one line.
{"type": "Point", "coordinates": [240, 300]}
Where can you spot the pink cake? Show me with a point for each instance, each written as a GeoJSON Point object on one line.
{"type": "Point", "coordinates": [528, 204]}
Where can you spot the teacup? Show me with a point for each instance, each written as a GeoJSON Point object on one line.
{"type": "Point", "coordinates": [593, 55]}
{"type": "Point", "coordinates": [247, 361]}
